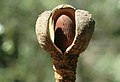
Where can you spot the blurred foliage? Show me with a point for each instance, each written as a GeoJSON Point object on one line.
{"type": "Point", "coordinates": [22, 59]}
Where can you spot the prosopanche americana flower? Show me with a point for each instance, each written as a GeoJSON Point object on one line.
{"type": "Point", "coordinates": [65, 29]}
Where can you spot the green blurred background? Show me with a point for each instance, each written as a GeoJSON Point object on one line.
{"type": "Point", "coordinates": [22, 59]}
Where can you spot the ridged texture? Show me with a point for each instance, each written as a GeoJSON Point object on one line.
{"type": "Point", "coordinates": [65, 67]}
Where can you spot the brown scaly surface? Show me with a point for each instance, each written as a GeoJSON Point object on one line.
{"type": "Point", "coordinates": [65, 67]}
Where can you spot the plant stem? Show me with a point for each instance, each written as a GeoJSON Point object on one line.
{"type": "Point", "coordinates": [65, 67]}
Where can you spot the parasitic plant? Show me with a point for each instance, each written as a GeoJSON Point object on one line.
{"type": "Point", "coordinates": [64, 32]}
